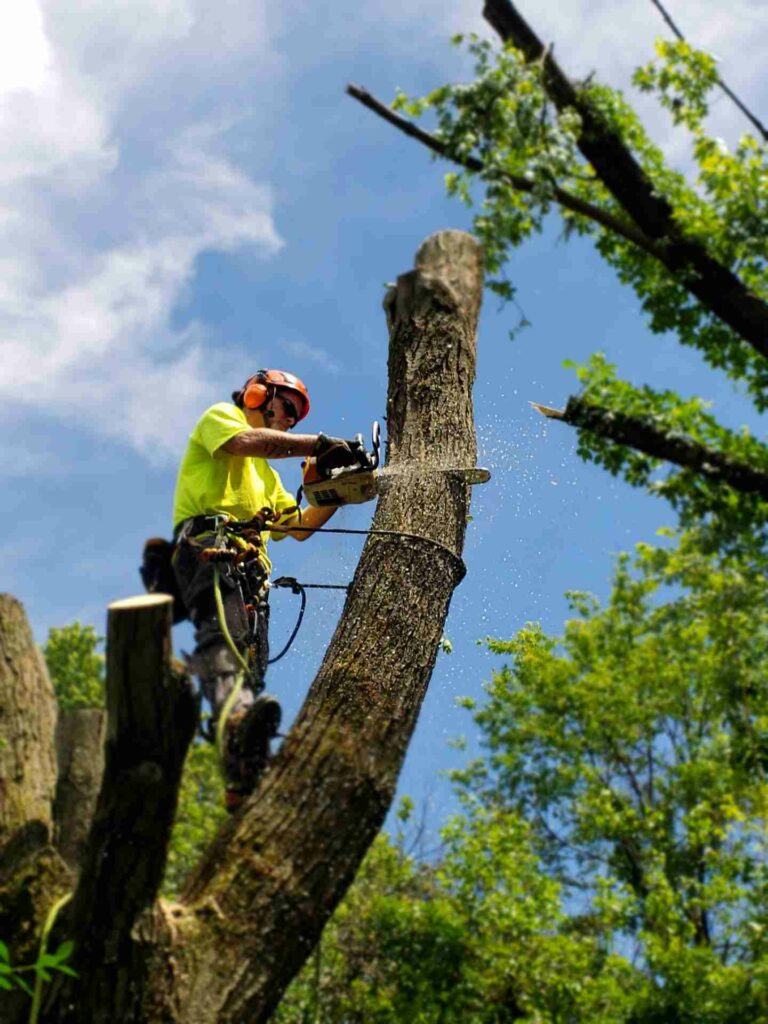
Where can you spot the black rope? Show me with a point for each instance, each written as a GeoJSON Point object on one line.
{"type": "Point", "coordinates": [300, 588]}
{"type": "Point", "coordinates": [296, 588]}
{"type": "Point", "coordinates": [457, 560]}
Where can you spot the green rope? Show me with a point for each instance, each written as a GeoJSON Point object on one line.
{"type": "Point", "coordinates": [229, 703]}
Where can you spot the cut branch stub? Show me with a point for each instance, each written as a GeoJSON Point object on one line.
{"type": "Point", "coordinates": [151, 715]}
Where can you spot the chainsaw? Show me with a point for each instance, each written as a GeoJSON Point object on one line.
{"type": "Point", "coordinates": [325, 487]}
{"type": "Point", "coordinates": [332, 487]}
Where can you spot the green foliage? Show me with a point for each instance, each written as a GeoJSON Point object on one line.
{"type": "Point", "coordinates": [13, 975]}
{"type": "Point", "coordinates": [46, 962]}
{"type": "Point", "coordinates": [636, 746]}
{"type": "Point", "coordinates": [609, 864]}
{"type": "Point", "coordinates": [199, 815]}
{"type": "Point", "coordinates": [75, 666]}
{"type": "Point", "coordinates": [726, 517]}
{"type": "Point", "coordinates": [504, 119]}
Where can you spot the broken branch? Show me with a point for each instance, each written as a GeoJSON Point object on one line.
{"type": "Point", "coordinates": [641, 433]}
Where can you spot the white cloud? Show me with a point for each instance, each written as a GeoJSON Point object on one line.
{"type": "Point", "coordinates": [122, 163]}
{"type": "Point", "coordinates": [106, 203]}
{"type": "Point", "coordinates": [302, 352]}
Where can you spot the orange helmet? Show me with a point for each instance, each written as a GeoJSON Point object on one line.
{"type": "Point", "coordinates": [260, 388]}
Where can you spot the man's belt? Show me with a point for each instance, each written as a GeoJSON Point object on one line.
{"type": "Point", "coordinates": [195, 525]}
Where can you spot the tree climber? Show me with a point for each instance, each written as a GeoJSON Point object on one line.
{"type": "Point", "coordinates": [226, 493]}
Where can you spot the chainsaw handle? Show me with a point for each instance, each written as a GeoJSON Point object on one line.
{"type": "Point", "coordinates": [375, 443]}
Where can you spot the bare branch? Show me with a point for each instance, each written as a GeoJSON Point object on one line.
{"type": "Point", "coordinates": [570, 202]}
{"type": "Point", "coordinates": [642, 433]}
{"type": "Point", "coordinates": [728, 92]}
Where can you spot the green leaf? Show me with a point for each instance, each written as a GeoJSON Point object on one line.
{"type": "Point", "coordinates": [23, 985]}
{"type": "Point", "coordinates": [64, 951]}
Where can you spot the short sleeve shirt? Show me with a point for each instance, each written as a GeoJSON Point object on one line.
{"type": "Point", "coordinates": [211, 482]}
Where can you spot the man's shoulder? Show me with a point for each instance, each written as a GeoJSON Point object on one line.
{"type": "Point", "coordinates": [224, 410]}
{"type": "Point", "coordinates": [222, 414]}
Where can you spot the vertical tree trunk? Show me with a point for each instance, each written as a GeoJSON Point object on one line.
{"type": "Point", "coordinates": [27, 723]}
{"type": "Point", "coordinates": [32, 875]}
{"type": "Point", "coordinates": [151, 718]}
{"type": "Point", "coordinates": [80, 736]}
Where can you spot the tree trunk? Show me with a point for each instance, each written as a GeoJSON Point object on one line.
{"type": "Point", "coordinates": [308, 828]}
{"type": "Point", "coordinates": [27, 723]}
{"type": "Point", "coordinates": [80, 758]}
{"type": "Point", "coordinates": [32, 875]}
{"type": "Point", "coordinates": [151, 719]}
{"type": "Point", "coordinates": [258, 901]}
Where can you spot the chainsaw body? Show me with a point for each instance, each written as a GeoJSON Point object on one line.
{"type": "Point", "coordinates": [327, 486]}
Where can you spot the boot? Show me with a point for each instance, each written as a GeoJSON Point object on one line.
{"type": "Point", "coordinates": [247, 737]}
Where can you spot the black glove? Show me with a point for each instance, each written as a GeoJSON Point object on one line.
{"type": "Point", "coordinates": [335, 452]}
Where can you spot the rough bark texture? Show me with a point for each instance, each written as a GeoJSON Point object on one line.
{"type": "Point", "coordinates": [32, 875]}
{"type": "Point", "coordinates": [80, 734]}
{"type": "Point", "coordinates": [713, 284]}
{"type": "Point", "coordinates": [151, 714]}
{"type": "Point", "coordinates": [27, 723]}
{"type": "Point", "coordinates": [261, 896]}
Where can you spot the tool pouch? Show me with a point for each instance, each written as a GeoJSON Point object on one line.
{"type": "Point", "coordinates": [157, 574]}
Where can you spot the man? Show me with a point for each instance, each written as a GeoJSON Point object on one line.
{"type": "Point", "coordinates": [225, 473]}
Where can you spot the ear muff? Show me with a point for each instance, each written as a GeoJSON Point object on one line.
{"type": "Point", "coordinates": [256, 392]}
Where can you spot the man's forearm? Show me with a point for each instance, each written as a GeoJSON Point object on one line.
{"type": "Point", "coordinates": [312, 518]}
{"type": "Point", "coordinates": [265, 443]}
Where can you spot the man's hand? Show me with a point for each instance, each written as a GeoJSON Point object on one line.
{"type": "Point", "coordinates": [335, 452]}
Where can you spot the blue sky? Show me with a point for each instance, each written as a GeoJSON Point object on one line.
{"type": "Point", "coordinates": [186, 194]}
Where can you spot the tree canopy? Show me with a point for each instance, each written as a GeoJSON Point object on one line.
{"type": "Point", "coordinates": [530, 143]}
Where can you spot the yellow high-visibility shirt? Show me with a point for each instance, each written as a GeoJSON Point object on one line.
{"type": "Point", "coordinates": [212, 482]}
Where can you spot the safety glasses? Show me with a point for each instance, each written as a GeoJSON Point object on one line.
{"type": "Point", "coordinates": [289, 408]}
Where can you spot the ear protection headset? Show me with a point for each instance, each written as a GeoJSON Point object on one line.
{"type": "Point", "coordinates": [260, 389]}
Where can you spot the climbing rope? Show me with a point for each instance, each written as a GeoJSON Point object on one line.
{"type": "Point", "coordinates": [246, 538]}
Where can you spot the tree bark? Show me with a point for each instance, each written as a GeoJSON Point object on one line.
{"type": "Point", "coordinates": [151, 719]}
{"type": "Point", "coordinates": [642, 434]}
{"type": "Point", "coordinates": [296, 850]}
{"type": "Point", "coordinates": [27, 723]}
{"type": "Point", "coordinates": [80, 734]}
{"type": "Point", "coordinates": [32, 875]}
{"type": "Point", "coordinates": [258, 901]}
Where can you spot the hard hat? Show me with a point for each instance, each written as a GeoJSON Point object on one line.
{"type": "Point", "coordinates": [260, 388]}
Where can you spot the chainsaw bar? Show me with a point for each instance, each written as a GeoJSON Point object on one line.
{"type": "Point", "coordinates": [352, 485]}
